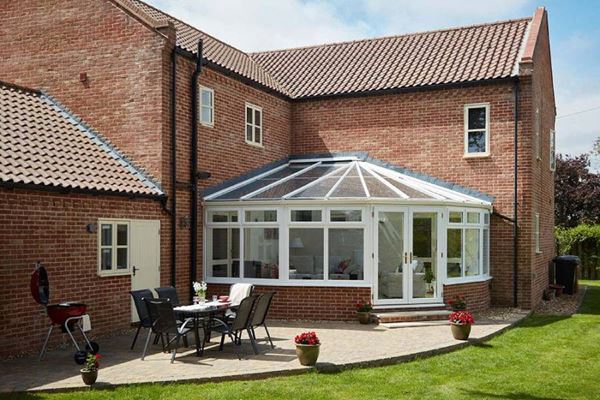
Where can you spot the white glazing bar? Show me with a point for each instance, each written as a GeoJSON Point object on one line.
{"type": "Point", "coordinates": [244, 183]}
{"type": "Point", "coordinates": [311, 184]}
{"type": "Point", "coordinates": [386, 183]}
{"type": "Point", "coordinates": [352, 164]}
{"type": "Point", "coordinates": [287, 178]}
{"type": "Point", "coordinates": [362, 180]}
{"type": "Point", "coordinates": [393, 175]}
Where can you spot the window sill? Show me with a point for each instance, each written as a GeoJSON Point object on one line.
{"type": "Point", "coordinates": [254, 144]}
{"type": "Point", "coordinates": [476, 155]}
{"type": "Point", "coordinates": [474, 279]}
{"type": "Point", "coordinates": [290, 282]}
{"type": "Point", "coordinates": [206, 125]}
{"type": "Point", "coordinates": [109, 274]}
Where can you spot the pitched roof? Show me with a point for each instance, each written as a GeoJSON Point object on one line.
{"type": "Point", "coordinates": [42, 143]}
{"type": "Point", "coordinates": [464, 54]}
{"type": "Point", "coordinates": [472, 53]}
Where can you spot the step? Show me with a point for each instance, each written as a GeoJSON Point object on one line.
{"type": "Point", "coordinates": [410, 316]}
{"type": "Point", "coordinates": [415, 324]}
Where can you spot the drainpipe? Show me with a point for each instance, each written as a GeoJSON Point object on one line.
{"type": "Point", "coordinates": [173, 167]}
{"type": "Point", "coordinates": [516, 199]}
{"type": "Point", "coordinates": [194, 169]}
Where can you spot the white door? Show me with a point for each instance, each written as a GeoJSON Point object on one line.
{"type": "Point", "coordinates": [145, 257]}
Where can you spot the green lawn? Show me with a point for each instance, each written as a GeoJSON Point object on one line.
{"type": "Point", "coordinates": [546, 357]}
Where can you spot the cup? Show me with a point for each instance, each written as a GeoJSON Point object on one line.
{"type": "Point", "coordinates": [214, 298]}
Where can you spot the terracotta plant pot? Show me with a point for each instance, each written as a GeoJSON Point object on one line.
{"type": "Point", "coordinates": [460, 332]}
{"type": "Point", "coordinates": [89, 377]}
{"type": "Point", "coordinates": [307, 353]}
{"type": "Point", "coordinates": [363, 317]}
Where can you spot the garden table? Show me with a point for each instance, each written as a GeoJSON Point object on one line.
{"type": "Point", "coordinates": [202, 314]}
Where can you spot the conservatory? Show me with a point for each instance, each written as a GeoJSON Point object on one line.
{"type": "Point", "coordinates": [347, 221]}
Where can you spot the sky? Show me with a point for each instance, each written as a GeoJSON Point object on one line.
{"type": "Point", "coordinates": [255, 25]}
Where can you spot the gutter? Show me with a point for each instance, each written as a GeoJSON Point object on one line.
{"type": "Point", "coordinates": [516, 199]}
{"type": "Point", "coordinates": [173, 213]}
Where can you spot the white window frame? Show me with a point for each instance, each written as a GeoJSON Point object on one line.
{"type": "Point", "coordinates": [537, 128]}
{"type": "Point", "coordinates": [552, 150]}
{"type": "Point", "coordinates": [253, 124]}
{"type": "Point", "coordinates": [467, 107]}
{"type": "Point", "coordinates": [211, 107]}
{"type": "Point", "coordinates": [536, 233]}
{"type": "Point", "coordinates": [114, 246]}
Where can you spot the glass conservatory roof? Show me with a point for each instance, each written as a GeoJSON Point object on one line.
{"type": "Point", "coordinates": [337, 179]}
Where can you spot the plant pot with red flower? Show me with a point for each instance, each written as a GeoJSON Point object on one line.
{"type": "Point", "coordinates": [460, 324]}
{"type": "Point", "coordinates": [307, 348]}
{"type": "Point", "coordinates": [458, 303]}
{"type": "Point", "coordinates": [363, 312]}
{"type": "Point", "coordinates": [89, 373]}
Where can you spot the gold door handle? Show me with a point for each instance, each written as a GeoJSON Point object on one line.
{"type": "Point", "coordinates": [405, 258]}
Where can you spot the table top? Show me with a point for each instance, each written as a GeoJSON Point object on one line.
{"type": "Point", "coordinates": [204, 308]}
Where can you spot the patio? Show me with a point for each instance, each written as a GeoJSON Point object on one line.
{"type": "Point", "coordinates": [343, 345]}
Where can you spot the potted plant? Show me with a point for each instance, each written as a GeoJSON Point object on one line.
{"type": "Point", "coordinates": [458, 303]}
{"type": "Point", "coordinates": [200, 290]}
{"type": "Point", "coordinates": [460, 324]}
{"type": "Point", "coordinates": [307, 348]}
{"type": "Point", "coordinates": [363, 312]}
{"type": "Point", "coordinates": [89, 373]}
{"type": "Point", "coordinates": [429, 277]}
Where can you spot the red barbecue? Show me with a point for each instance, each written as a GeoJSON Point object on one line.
{"type": "Point", "coordinates": [68, 315]}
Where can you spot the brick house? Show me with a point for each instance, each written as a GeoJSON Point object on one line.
{"type": "Point", "coordinates": [391, 169]}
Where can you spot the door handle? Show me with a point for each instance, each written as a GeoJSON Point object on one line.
{"type": "Point", "coordinates": [411, 257]}
{"type": "Point", "coordinates": [405, 258]}
{"type": "Point", "coordinates": [134, 270]}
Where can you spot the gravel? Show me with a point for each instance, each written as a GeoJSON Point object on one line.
{"type": "Point", "coordinates": [562, 305]}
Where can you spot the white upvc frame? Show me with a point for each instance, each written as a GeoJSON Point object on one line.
{"type": "Point", "coordinates": [253, 125]}
{"type": "Point", "coordinates": [536, 233]}
{"type": "Point", "coordinates": [537, 129]}
{"type": "Point", "coordinates": [552, 150]}
{"type": "Point", "coordinates": [210, 107]}
{"type": "Point", "coordinates": [467, 107]}
{"type": "Point", "coordinates": [113, 246]}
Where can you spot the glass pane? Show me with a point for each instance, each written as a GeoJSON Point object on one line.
{"type": "Point", "coordinates": [486, 251]}
{"type": "Point", "coordinates": [345, 215]}
{"type": "Point", "coordinates": [223, 252]}
{"type": "Point", "coordinates": [106, 235]}
{"type": "Point", "coordinates": [206, 97]}
{"type": "Point", "coordinates": [391, 253]}
{"type": "Point", "coordinates": [206, 115]}
{"type": "Point", "coordinates": [456, 217]}
{"type": "Point", "coordinates": [249, 115]}
{"type": "Point", "coordinates": [122, 237]}
{"type": "Point", "coordinates": [350, 186]}
{"type": "Point", "coordinates": [222, 216]}
{"type": "Point", "coordinates": [476, 142]}
{"type": "Point", "coordinates": [306, 215]}
{"type": "Point", "coordinates": [378, 189]}
{"type": "Point", "coordinates": [306, 253]}
{"type": "Point", "coordinates": [106, 259]}
{"type": "Point", "coordinates": [472, 266]}
{"type": "Point", "coordinates": [454, 262]}
{"type": "Point", "coordinates": [424, 263]}
{"type": "Point", "coordinates": [261, 216]}
{"type": "Point", "coordinates": [486, 218]}
{"type": "Point", "coordinates": [472, 217]}
{"type": "Point", "coordinates": [257, 135]}
{"type": "Point", "coordinates": [122, 260]}
{"type": "Point", "coordinates": [257, 118]}
{"type": "Point", "coordinates": [477, 118]}
{"type": "Point", "coordinates": [249, 133]}
{"type": "Point", "coordinates": [220, 244]}
{"type": "Point", "coordinates": [318, 190]}
{"type": "Point", "coordinates": [261, 253]}
{"type": "Point", "coordinates": [346, 255]}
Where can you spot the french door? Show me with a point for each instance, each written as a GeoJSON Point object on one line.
{"type": "Point", "coordinates": [406, 255]}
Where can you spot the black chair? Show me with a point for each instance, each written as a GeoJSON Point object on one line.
{"type": "Point", "coordinates": [168, 292]}
{"type": "Point", "coordinates": [145, 321]}
{"type": "Point", "coordinates": [261, 309]}
{"type": "Point", "coordinates": [164, 323]}
{"type": "Point", "coordinates": [237, 325]}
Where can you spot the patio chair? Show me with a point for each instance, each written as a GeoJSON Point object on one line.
{"type": "Point", "coordinates": [164, 323]}
{"type": "Point", "coordinates": [261, 309]}
{"type": "Point", "coordinates": [168, 292]}
{"type": "Point", "coordinates": [237, 292]}
{"type": "Point", "coordinates": [142, 311]}
{"type": "Point", "coordinates": [234, 328]}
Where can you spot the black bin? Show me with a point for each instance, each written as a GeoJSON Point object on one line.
{"type": "Point", "coordinates": [566, 272]}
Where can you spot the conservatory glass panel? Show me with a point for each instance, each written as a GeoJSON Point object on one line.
{"type": "Point", "coordinates": [346, 254]}
{"type": "Point", "coordinates": [306, 249]}
{"type": "Point", "coordinates": [320, 189]}
{"type": "Point", "coordinates": [350, 186]}
{"type": "Point", "coordinates": [472, 266]}
{"type": "Point", "coordinates": [261, 253]}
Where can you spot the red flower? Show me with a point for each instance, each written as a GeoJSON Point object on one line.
{"type": "Point", "coordinates": [461, 318]}
{"type": "Point", "coordinates": [307, 338]}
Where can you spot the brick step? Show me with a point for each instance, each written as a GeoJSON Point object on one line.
{"type": "Point", "coordinates": [410, 316]}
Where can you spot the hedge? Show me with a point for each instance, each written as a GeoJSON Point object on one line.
{"type": "Point", "coordinates": [582, 241]}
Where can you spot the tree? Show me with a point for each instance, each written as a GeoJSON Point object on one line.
{"type": "Point", "coordinates": [577, 191]}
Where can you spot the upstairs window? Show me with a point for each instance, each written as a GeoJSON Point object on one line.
{"type": "Point", "coordinates": [537, 233]}
{"type": "Point", "coordinates": [477, 130]}
{"type": "Point", "coordinates": [207, 108]}
{"type": "Point", "coordinates": [552, 150]}
{"type": "Point", "coordinates": [253, 124]}
{"type": "Point", "coordinates": [537, 134]}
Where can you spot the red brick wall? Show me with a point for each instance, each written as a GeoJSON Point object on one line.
{"type": "Point", "coordinates": [477, 295]}
{"type": "Point", "coordinates": [308, 303]}
{"type": "Point", "coordinates": [47, 44]}
{"type": "Point", "coordinates": [51, 228]}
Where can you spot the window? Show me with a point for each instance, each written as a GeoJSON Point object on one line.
{"type": "Point", "coordinates": [261, 253]}
{"type": "Point", "coordinates": [345, 215]}
{"type": "Point", "coordinates": [261, 216]}
{"type": "Point", "coordinates": [346, 254]}
{"type": "Point", "coordinates": [207, 107]}
{"type": "Point", "coordinates": [537, 233]}
{"type": "Point", "coordinates": [222, 216]}
{"type": "Point", "coordinates": [306, 247]}
{"type": "Point", "coordinates": [306, 215]}
{"type": "Point", "coordinates": [467, 244]}
{"type": "Point", "coordinates": [113, 247]}
{"type": "Point", "coordinates": [223, 252]}
{"type": "Point", "coordinates": [537, 134]}
{"type": "Point", "coordinates": [477, 135]}
{"type": "Point", "coordinates": [253, 124]}
{"type": "Point", "coordinates": [552, 150]}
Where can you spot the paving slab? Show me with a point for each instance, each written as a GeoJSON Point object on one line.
{"type": "Point", "coordinates": [344, 345]}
